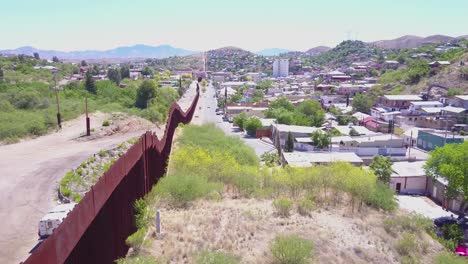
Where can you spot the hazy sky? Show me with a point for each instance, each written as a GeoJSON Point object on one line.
{"type": "Point", "coordinates": [207, 24]}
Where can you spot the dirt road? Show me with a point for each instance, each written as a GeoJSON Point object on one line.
{"type": "Point", "coordinates": [30, 171]}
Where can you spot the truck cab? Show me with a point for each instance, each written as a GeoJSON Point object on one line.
{"type": "Point", "coordinates": [53, 219]}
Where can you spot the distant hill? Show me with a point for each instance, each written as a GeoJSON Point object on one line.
{"type": "Point", "coordinates": [136, 51]}
{"type": "Point", "coordinates": [318, 50]}
{"type": "Point", "coordinates": [345, 53]}
{"type": "Point", "coordinates": [410, 42]}
{"type": "Point", "coordinates": [272, 52]}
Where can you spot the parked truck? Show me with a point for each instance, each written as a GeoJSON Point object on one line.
{"type": "Point", "coordinates": [53, 219]}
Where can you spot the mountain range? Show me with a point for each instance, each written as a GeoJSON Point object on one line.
{"type": "Point", "coordinates": [136, 51]}
{"type": "Point", "coordinates": [409, 41]}
{"type": "Point", "coordinates": [165, 51]}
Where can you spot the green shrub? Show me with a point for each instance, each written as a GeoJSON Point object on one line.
{"type": "Point", "coordinates": [409, 260]}
{"type": "Point", "coordinates": [91, 160]}
{"type": "Point", "coordinates": [138, 260]}
{"type": "Point", "coordinates": [283, 206]}
{"type": "Point", "coordinates": [407, 244]}
{"type": "Point", "coordinates": [102, 153]}
{"type": "Point", "coordinates": [382, 197]}
{"type": "Point", "coordinates": [80, 171]}
{"type": "Point", "coordinates": [137, 239]}
{"type": "Point", "coordinates": [305, 206]}
{"type": "Point", "coordinates": [448, 258]}
{"type": "Point", "coordinates": [246, 183]}
{"type": "Point", "coordinates": [106, 123]}
{"type": "Point", "coordinates": [291, 249]}
{"type": "Point", "coordinates": [183, 189]}
{"type": "Point", "coordinates": [211, 257]}
{"type": "Point", "coordinates": [65, 191]}
{"type": "Point", "coordinates": [77, 197]}
{"type": "Point", "coordinates": [414, 223]}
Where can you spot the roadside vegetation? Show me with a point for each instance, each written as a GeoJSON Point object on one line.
{"type": "Point", "coordinates": [210, 175]}
{"type": "Point", "coordinates": [28, 103]}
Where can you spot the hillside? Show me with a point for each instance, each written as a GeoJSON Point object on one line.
{"type": "Point", "coordinates": [317, 50]}
{"type": "Point", "coordinates": [345, 53]}
{"type": "Point", "coordinates": [136, 51]}
{"type": "Point", "coordinates": [409, 41]}
{"type": "Point", "coordinates": [233, 59]}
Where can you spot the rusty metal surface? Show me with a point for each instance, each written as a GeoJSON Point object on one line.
{"type": "Point", "coordinates": [96, 230]}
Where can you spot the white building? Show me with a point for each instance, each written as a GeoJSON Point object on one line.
{"type": "Point", "coordinates": [281, 68]}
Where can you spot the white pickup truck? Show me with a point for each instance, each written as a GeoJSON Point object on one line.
{"type": "Point", "coordinates": [53, 219]}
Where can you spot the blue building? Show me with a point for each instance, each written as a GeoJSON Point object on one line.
{"type": "Point", "coordinates": [430, 139]}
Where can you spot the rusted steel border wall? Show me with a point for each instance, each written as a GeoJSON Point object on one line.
{"type": "Point", "coordinates": [96, 229]}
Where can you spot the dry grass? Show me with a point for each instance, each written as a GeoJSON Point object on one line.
{"type": "Point", "coordinates": [246, 227]}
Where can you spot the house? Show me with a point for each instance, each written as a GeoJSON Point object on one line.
{"type": "Point", "coordinates": [371, 145]}
{"type": "Point", "coordinates": [306, 159]}
{"type": "Point", "coordinates": [436, 188]}
{"type": "Point", "coordinates": [391, 64]}
{"type": "Point", "coordinates": [374, 124]}
{"type": "Point", "coordinates": [251, 109]}
{"type": "Point", "coordinates": [397, 102]}
{"type": "Point", "coordinates": [280, 132]}
{"type": "Point", "coordinates": [360, 116]}
{"type": "Point", "coordinates": [430, 139]}
{"type": "Point", "coordinates": [266, 129]}
{"type": "Point", "coordinates": [415, 107]}
{"type": "Point", "coordinates": [409, 177]}
{"type": "Point", "coordinates": [460, 101]}
{"type": "Point", "coordinates": [361, 130]}
{"type": "Point", "coordinates": [436, 64]}
{"type": "Point", "coordinates": [410, 137]}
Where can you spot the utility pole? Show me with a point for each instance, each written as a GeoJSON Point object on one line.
{"type": "Point", "coordinates": [59, 119]}
{"type": "Point", "coordinates": [410, 144]}
{"type": "Point", "coordinates": [88, 123]}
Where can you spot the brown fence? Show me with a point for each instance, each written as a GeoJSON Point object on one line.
{"type": "Point", "coordinates": [96, 230]}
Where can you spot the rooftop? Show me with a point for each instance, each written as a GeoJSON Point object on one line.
{"type": "Point", "coordinates": [304, 159]}
{"type": "Point", "coordinates": [407, 169]}
{"type": "Point", "coordinates": [403, 97]}
{"type": "Point", "coordinates": [296, 129]}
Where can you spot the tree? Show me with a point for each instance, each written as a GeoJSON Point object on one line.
{"type": "Point", "coordinates": [83, 63]}
{"type": "Point", "coordinates": [114, 75]}
{"type": "Point", "coordinates": [94, 70]}
{"type": "Point", "coordinates": [289, 145]}
{"type": "Point", "coordinates": [320, 140]}
{"type": "Point", "coordinates": [282, 102]}
{"type": "Point", "coordinates": [36, 56]}
{"type": "Point", "coordinates": [451, 163]}
{"type": "Point", "coordinates": [264, 85]}
{"type": "Point", "coordinates": [1, 74]}
{"type": "Point", "coordinates": [240, 120]}
{"type": "Point", "coordinates": [89, 83]}
{"type": "Point", "coordinates": [313, 111]}
{"type": "Point", "coordinates": [252, 125]}
{"type": "Point", "coordinates": [353, 132]}
{"type": "Point", "coordinates": [270, 159]}
{"type": "Point", "coordinates": [362, 103]}
{"type": "Point", "coordinates": [382, 167]}
{"type": "Point", "coordinates": [147, 71]}
{"type": "Point", "coordinates": [125, 72]}
{"type": "Point", "coordinates": [145, 93]}
{"type": "Point", "coordinates": [55, 59]}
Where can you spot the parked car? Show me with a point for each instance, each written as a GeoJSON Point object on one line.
{"type": "Point", "coordinates": [445, 220]}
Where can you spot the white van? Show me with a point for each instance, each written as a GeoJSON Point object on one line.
{"type": "Point", "coordinates": [53, 219]}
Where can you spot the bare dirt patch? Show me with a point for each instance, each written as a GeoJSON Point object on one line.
{"type": "Point", "coordinates": [246, 227]}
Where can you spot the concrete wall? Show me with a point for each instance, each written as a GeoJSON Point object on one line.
{"type": "Point", "coordinates": [415, 184]}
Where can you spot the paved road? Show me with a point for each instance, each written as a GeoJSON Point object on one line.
{"type": "Point", "coordinates": [207, 114]}
{"type": "Point", "coordinates": [29, 173]}
{"type": "Point", "coordinates": [421, 205]}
